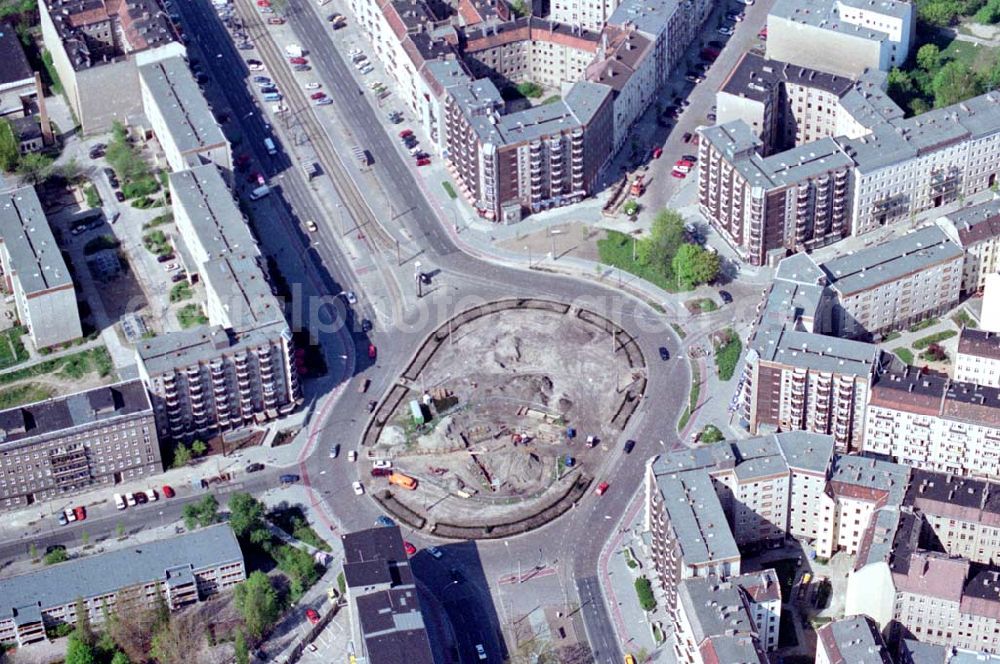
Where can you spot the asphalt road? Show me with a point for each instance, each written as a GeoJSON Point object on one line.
{"type": "Point", "coordinates": [603, 642]}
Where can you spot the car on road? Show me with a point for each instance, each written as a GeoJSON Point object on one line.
{"type": "Point", "coordinates": [120, 197]}
{"type": "Point", "coordinates": [601, 488]}
{"type": "Point", "coordinates": [288, 479]}
{"type": "Point", "coordinates": [726, 297]}
{"type": "Point", "coordinates": [689, 157]}
{"type": "Point", "coordinates": [119, 501]}
{"type": "Point", "coordinates": [725, 30]}
{"type": "Point", "coordinates": [359, 488]}
{"type": "Point", "coordinates": [372, 351]}
{"type": "Point", "coordinates": [350, 297]}
{"type": "Point", "coordinates": [680, 175]}
{"type": "Point", "coordinates": [298, 61]}
{"type": "Point", "coordinates": [384, 521]}
{"type": "Point", "coordinates": [168, 492]}
{"type": "Point", "coordinates": [481, 651]}
{"type": "Point", "coordinates": [312, 616]}
{"type": "Point", "coordinates": [325, 101]}
{"type": "Point", "coordinates": [352, 455]}
{"type": "Point", "coordinates": [687, 136]}
{"type": "Point", "coordinates": [255, 65]}
{"type": "Point", "coordinates": [254, 467]}
{"type": "Point", "coordinates": [301, 67]}
{"type": "Point", "coordinates": [381, 472]}
{"type": "Point", "coordinates": [409, 548]}
{"type": "Point", "coordinates": [313, 86]}
{"type": "Point", "coordinates": [664, 353]}
{"type": "Point", "coordinates": [657, 153]}
{"type": "Point", "coordinates": [311, 226]}
{"type": "Point", "coordinates": [366, 325]}
{"type": "Point", "coordinates": [317, 95]}
{"type": "Point", "coordinates": [334, 450]}
{"type": "Point", "coordinates": [381, 463]}
{"type": "Point", "coordinates": [435, 552]}
{"type": "Point", "coordinates": [629, 446]}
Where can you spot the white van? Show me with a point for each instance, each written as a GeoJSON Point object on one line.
{"type": "Point", "coordinates": [119, 501]}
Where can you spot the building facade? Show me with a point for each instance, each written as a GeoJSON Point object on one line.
{"type": "Point", "coordinates": [977, 359]}
{"type": "Point", "coordinates": [34, 271]}
{"type": "Point", "coordinates": [65, 445]}
{"type": "Point", "coordinates": [976, 229]}
{"type": "Point", "coordinates": [182, 570]}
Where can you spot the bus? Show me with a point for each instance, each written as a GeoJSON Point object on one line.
{"type": "Point", "coordinates": [404, 481]}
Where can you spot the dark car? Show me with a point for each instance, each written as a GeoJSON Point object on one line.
{"type": "Point", "coordinates": [384, 521]}
{"type": "Point", "coordinates": [301, 67]}
{"type": "Point", "coordinates": [629, 446]}
{"type": "Point", "coordinates": [689, 157]}
{"type": "Point", "coordinates": [372, 351]}
{"type": "Point", "coordinates": [255, 467]}
{"type": "Point", "coordinates": [381, 472]}
{"type": "Point", "coordinates": [288, 479]}
{"type": "Point", "coordinates": [366, 325]}
{"type": "Point", "coordinates": [178, 277]}
{"type": "Point", "coordinates": [165, 258]}
{"type": "Point", "coordinates": [688, 136]}
{"type": "Point", "coordinates": [726, 296]}
{"type": "Point", "coordinates": [120, 197]}
{"type": "Point", "coordinates": [664, 353]}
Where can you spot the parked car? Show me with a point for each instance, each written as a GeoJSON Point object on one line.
{"type": "Point", "coordinates": [311, 226]}
{"type": "Point", "coordinates": [288, 479]}
{"type": "Point", "coordinates": [366, 325]}
{"type": "Point", "coordinates": [381, 472]}
{"type": "Point", "coordinates": [168, 492]}
{"type": "Point", "coordinates": [119, 501]}
{"type": "Point", "coordinates": [726, 297]}
{"type": "Point", "coordinates": [382, 463]}
{"type": "Point", "coordinates": [725, 30]}
{"type": "Point", "coordinates": [384, 521]}
{"type": "Point", "coordinates": [657, 153]}
{"type": "Point", "coordinates": [298, 61]}
{"type": "Point", "coordinates": [69, 514]}
{"type": "Point", "coordinates": [687, 137]}
{"type": "Point", "coordinates": [130, 499]}
{"type": "Point", "coordinates": [312, 616]}
{"type": "Point", "coordinates": [481, 651]}
{"type": "Point", "coordinates": [317, 95]}
{"type": "Point", "coordinates": [334, 451]}
{"type": "Point", "coordinates": [678, 174]}
{"type": "Point", "coordinates": [359, 488]}
{"type": "Point", "coordinates": [301, 67]}
{"type": "Point", "coordinates": [254, 467]}
{"type": "Point", "coordinates": [689, 157]}
{"type": "Point", "coordinates": [424, 161]}
{"type": "Point", "coordinates": [255, 65]}
{"type": "Point", "coordinates": [120, 197]}
{"type": "Point", "coordinates": [372, 351]}
{"type": "Point", "coordinates": [601, 488]}
{"type": "Point", "coordinates": [629, 446]}
{"type": "Point", "coordinates": [325, 101]}
{"type": "Point", "coordinates": [140, 498]}
{"type": "Point", "coordinates": [351, 297]}
{"type": "Point", "coordinates": [313, 86]}
{"type": "Point", "coordinates": [62, 519]}
{"type": "Point", "coordinates": [664, 353]}
{"type": "Point", "coordinates": [405, 133]}
{"type": "Point", "coordinates": [409, 548]}
{"type": "Point", "coordinates": [435, 552]}
{"type": "Point", "coordinates": [81, 512]}
{"type": "Point", "coordinates": [352, 455]}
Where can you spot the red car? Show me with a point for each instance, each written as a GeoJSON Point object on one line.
{"type": "Point", "coordinates": [298, 61]}
{"type": "Point", "coordinates": [423, 161]}
{"type": "Point", "coordinates": [167, 491]}
{"type": "Point", "coordinates": [317, 95]}
{"type": "Point", "coordinates": [679, 175]}
{"type": "Point", "coordinates": [409, 548]}
{"type": "Point", "coordinates": [601, 488]}
{"type": "Point", "coordinates": [684, 162]}
{"type": "Point", "coordinates": [372, 351]}
{"type": "Point", "coordinates": [263, 3]}
{"type": "Point", "coordinates": [80, 512]}
{"type": "Point", "coordinates": [405, 133]}
{"type": "Point", "coordinates": [657, 153]}
{"type": "Point", "coordinates": [312, 616]}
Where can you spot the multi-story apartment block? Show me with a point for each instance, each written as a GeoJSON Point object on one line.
{"type": "Point", "coordinates": [588, 14]}
{"type": "Point", "coordinates": [237, 369]}
{"type": "Point", "coordinates": [962, 514]}
{"type": "Point", "coordinates": [928, 421]}
{"type": "Point", "coordinates": [978, 358]}
{"type": "Point", "coordinates": [915, 652]}
{"type": "Point", "coordinates": [34, 271]}
{"type": "Point", "coordinates": [896, 283]}
{"type": "Point", "coordinates": [18, 93]}
{"type": "Point", "coordinates": [179, 116]}
{"type": "Point", "coordinates": [860, 487]}
{"type": "Point", "coordinates": [768, 206]}
{"type": "Point", "coordinates": [386, 621]}
{"type": "Point", "coordinates": [182, 570]}
{"type": "Point", "coordinates": [976, 229]}
{"type": "Point", "coordinates": [845, 37]}
{"type": "Point", "coordinates": [63, 445]}
{"type": "Point", "coordinates": [853, 640]}
{"type": "Point", "coordinates": [714, 622]}
{"type": "Point", "coordinates": [97, 48]}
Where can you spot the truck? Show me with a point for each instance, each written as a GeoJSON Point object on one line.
{"type": "Point", "coordinates": [269, 143]}
{"type": "Point", "coordinates": [293, 51]}
{"type": "Point", "coordinates": [361, 155]}
{"type": "Point", "coordinates": [403, 481]}
{"type": "Point", "coordinates": [260, 192]}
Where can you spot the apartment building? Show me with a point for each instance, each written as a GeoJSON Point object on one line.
{"type": "Point", "coordinates": [182, 570]}
{"type": "Point", "coordinates": [765, 207]}
{"type": "Point", "coordinates": [237, 369]}
{"type": "Point", "coordinates": [962, 513]}
{"type": "Point", "coordinates": [976, 229]}
{"type": "Point", "coordinates": [180, 118]}
{"type": "Point", "coordinates": [671, 25]}
{"type": "Point", "coordinates": [18, 93]}
{"type": "Point", "coordinates": [851, 640]}
{"type": "Point", "coordinates": [927, 421]}
{"type": "Point", "coordinates": [895, 284]}
{"type": "Point", "coordinates": [97, 48]}
{"type": "Point", "coordinates": [915, 652]}
{"type": "Point", "coordinates": [60, 446]}
{"type": "Point", "coordinates": [715, 623]}
{"type": "Point", "coordinates": [588, 14]}
{"type": "Point", "coordinates": [978, 358]}
{"type": "Point", "coordinates": [845, 37]}
{"type": "Point", "coordinates": [34, 271]}
{"type": "Point", "coordinates": [386, 620]}
{"type": "Point", "coordinates": [860, 487]}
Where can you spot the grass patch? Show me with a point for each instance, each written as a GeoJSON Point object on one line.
{"type": "Point", "coordinates": [70, 366]}
{"type": "Point", "coordinates": [450, 190]}
{"type": "Point", "coordinates": [904, 354]}
{"type": "Point", "coordinates": [727, 355]}
{"type": "Point", "coordinates": [181, 291]}
{"type": "Point", "coordinates": [924, 324]}
{"type": "Point", "coordinates": [100, 243]}
{"type": "Point", "coordinates": [616, 250]}
{"type": "Point", "coordinates": [710, 434]}
{"type": "Point", "coordinates": [341, 583]}
{"type": "Point", "coordinates": [701, 305]}
{"type": "Point", "coordinates": [12, 350]}
{"type": "Point", "coordinates": [157, 242]}
{"type": "Point", "coordinates": [962, 318]}
{"type": "Point", "coordinates": [693, 395]}
{"type": "Point", "coordinates": [937, 337]}
{"type": "Point", "coordinates": [678, 330]}
{"type": "Point", "coordinates": [530, 90]}
{"type": "Point", "coordinates": [551, 100]}
{"type": "Point", "coordinates": [18, 395]}
{"type": "Point", "coordinates": [644, 590]}
{"type": "Point", "coordinates": [159, 220]}
{"type": "Point", "coordinates": [93, 198]}
{"type": "Point", "coordinates": [892, 336]}
{"type": "Point", "coordinates": [190, 315]}
{"type": "Point", "coordinates": [146, 203]}
{"type": "Point", "coordinates": [291, 519]}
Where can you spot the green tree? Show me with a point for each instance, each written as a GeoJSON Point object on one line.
{"type": "Point", "coordinates": [695, 265]}
{"type": "Point", "coordinates": [34, 167]}
{"type": "Point", "coordinates": [182, 456]}
{"type": "Point", "coordinates": [940, 13]}
{"type": "Point", "coordinates": [9, 154]}
{"type": "Point", "coordinates": [258, 604]}
{"type": "Point", "coordinates": [79, 651]}
{"type": "Point", "coordinates": [241, 651]}
{"type": "Point", "coordinates": [33, 551]}
{"type": "Point", "coordinates": [120, 530]}
{"type": "Point", "coordinates": [83, 627]}
{"type": "Point", "coordinates": [246, 514]}
{"type": "Point", "coordinates": [85, 538]}
{"type": "Point", "coordinates": [666, 235]}
{"type": "Point", "coordinates": [54, 556]}
{"type": "Point", "coordinates": [201, 514]}
{"type": "Point", "coordinates": [120, 658]}
{"type": "Point", "coordinates": [929, 57]}
{"type": "Point", "coordinates": [899, 82]}
{"type": "Point", "coordinates": [953, 83]}
{"type": "Point", "coordinates": [198, 448]}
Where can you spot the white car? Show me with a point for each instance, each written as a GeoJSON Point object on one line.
{"type": "Point", "coordinates": [152, 495]}
{"type": "Point", "coordinates": [724, 30]}
{"type": "Point", "coordinates": [382, 463]}
{"type": "Point", "coordinates": [119, 502]}
{"type": "Point", "coordinates": [334, 451]}
{"type": "Point", "coordinates": [279, 108]}
{"type": "Point", "coordinates": [313, 86]}
{"type": "Point", "coordinates": [130, 498]}
{"type": "Point", "coordinates": [70, 514]}
{"type": "Point", "coordinates": [311, 226]}
{"type": "Point", "coordinates": [359, 489]}
{"type": "Point", "coordinates": [481, 651]}
{"type": "Point", "coordinates": [255, 66]}
{"type": "Point", "coordinates": [352, 455]}
{"type": "Point", "coordinates": [351, 297]}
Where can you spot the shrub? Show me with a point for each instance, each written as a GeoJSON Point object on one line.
{"type": "Point", "coordinates": [727, 355]}
{"type": "Point", "coordinates": [644, 590]}
{"type": "Point", "coordinates": [924, 342]}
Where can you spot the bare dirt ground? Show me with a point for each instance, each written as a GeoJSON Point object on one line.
{"type": "Point", "coordinates": [577, 239]}
{"type": "Point", "coordinates": [499, 403]}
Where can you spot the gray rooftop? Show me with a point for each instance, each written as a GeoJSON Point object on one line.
{"type": "Point", "coordinates": [238, 281]}
{"type": "Point", "coordinates": [807, 451]}
{"type": "Point", "coordinates": [890, 261]}
{"type": "Point", "coordinates": [202, 195]}
{"type": "Point", "coordinates": [648, 16]}
{"type": "Point", "coordinates": [918, 652]}
{"type": "Point", "coordinates": [875, 475]}
{"type": "Point", "coordinates": [750, 458]}
{"type": "Point", "coordinates": [714, 608]}
{"type": "Point", "coordinates": [853, 640]}
{"type": "Point", "coordinates": [825, 14]}
{"type": "Point", "coordinates": [816, 352]}
{"type": "Point", "coordinates": [97, 405]}
{"type": "Point", "coordinates": [172, 352]}
{"type": "Point", "coordinates": [733, 139]}
{"type": "Point", "coordinates": [736, 649]}
{"type": "Point", "coordinates": [35, 258]}
{"type": "Point", "coordinates": [878, 545]}
{"type": "Point", "coordinates": [185, 111]}
{"type": "Point", "coordinates": [696, 516]}
{"type": "Point", "coordinates": [90, 576]}
{"type": "Point", "coordinates": [755, 76]}
{"type": "Point", "coordinates": [14, 67]}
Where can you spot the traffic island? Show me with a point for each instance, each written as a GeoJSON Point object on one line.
{"type": "Point", "coordinates": [500, 421]}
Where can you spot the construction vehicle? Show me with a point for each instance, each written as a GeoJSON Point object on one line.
{"type": "Point", "coordinates": [403, 481]}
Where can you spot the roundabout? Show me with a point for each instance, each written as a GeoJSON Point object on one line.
{"type": "Point", "coordinates": [503, 419]}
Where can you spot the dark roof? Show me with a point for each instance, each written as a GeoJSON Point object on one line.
{"type": "Point", "coordinates": [375, 556]}
{"type": "Point", "coordinates": [75, 410]}
{"type": "Point", "coordinates": [393, 627]}
{"type": "Point", "coordinates": [14, 65]}
{"type": "Point", "coordinates": [755, 77]}
{"type": "Point", "coordinates": [979, 343]}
